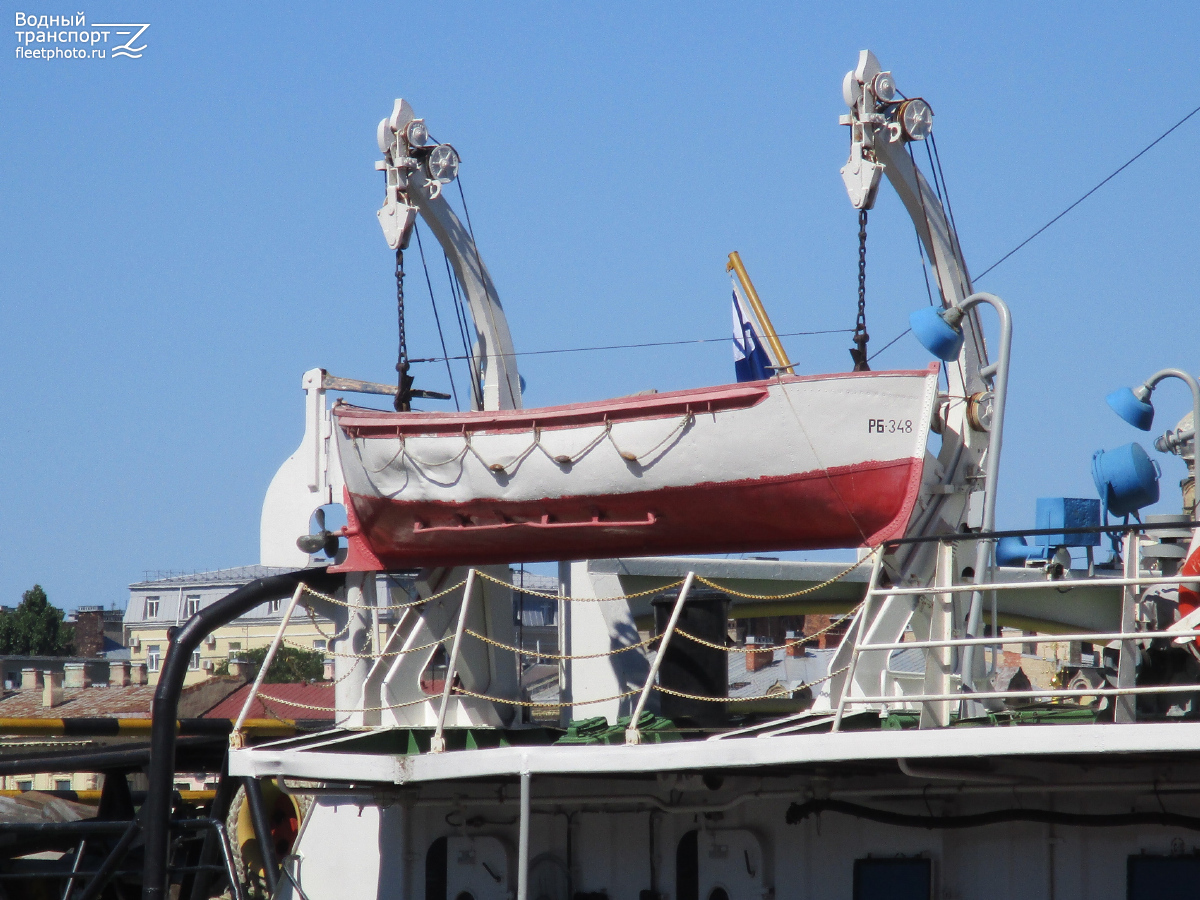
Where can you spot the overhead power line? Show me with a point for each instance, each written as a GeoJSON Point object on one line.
{"type": "Point", "coordinates": [636, 346]}
{"type": "Point", "coordinates": [1101, 184]}
{"type": "Point", "coordinates": [1114, 174]}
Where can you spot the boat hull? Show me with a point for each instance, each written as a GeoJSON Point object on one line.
{"type": "Point", "coordinates": [790, 463]}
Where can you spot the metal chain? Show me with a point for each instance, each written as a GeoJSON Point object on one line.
{"type": "Point", "coordinates": [859, 353]}
{"type": "Point", "coordinates": [800, 593]}
{"type": "Point", "coordinates": [403, 402]}
{"type": "Point", "coordinates": [382, 606]}
{"type": "Point", "coordinates": [544, 655]}
{"type": "Point", "coordinates": [807, 639]}
{"type": "Point", "coordinates": [777, 696]}
{"type": "Point", "coordinates": [551, 596]}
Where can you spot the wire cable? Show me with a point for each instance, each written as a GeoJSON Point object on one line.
{"type": "Point", "coordinates": [436, 318]}
{"type": "Point", "coordinates": [1115, 173]}
{"type": "Point", "coordinates": [640, 346]}
{"type": "Point", "coordinates": [873, 355]}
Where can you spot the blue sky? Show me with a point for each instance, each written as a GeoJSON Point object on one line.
{"type": "Point", "coordinates": [185, 233]}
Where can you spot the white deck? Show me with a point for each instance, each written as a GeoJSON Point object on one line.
{"type": "Point", "coordinates": [957, 743]}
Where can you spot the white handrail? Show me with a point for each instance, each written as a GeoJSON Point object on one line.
{"type": "Point", "coordinates": [236, 734]}
{"type": "Point", "coordinates": [632, 735]}
{"type": "Point", "coordinates": [1091, 638]}
{"type": "Point", "coordinates": [848, 684]}
{"type": "Point", "coordinates": [1020, 695]}
{"type": "Point", "coordinates": [438, 743]}
{"type": "Point", "coordinates": [1028, 585]}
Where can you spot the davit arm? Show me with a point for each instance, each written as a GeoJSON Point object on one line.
{"type": "Point", "coordinates": [416, 173]}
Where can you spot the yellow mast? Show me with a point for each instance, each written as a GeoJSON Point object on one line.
{"type": "Point", "coordinates": [735, 265]}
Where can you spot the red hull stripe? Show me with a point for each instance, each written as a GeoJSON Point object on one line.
{"type": "Point", "coordinates": [372, 423]}
{"type": "Point", "coordinates": [847, 507]}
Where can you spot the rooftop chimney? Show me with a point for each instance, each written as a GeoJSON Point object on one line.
{"type": "Point", "coordinates": [794, 648]}
{"type": "Point", "coordinates": [757, 659]}
{"type": "Point", "coordinates": [74, 676]}
{"type": "Point", "coordinates": [139, 674]}
{"type": "Point", "coordinates": [89, 631]}
{"type": "Point", "coordinates": [31, 679]}
{"type": "Point", "coordinates": [52, 694]}
{"type": "Point", "coordinates": [327, 674]}
{"type": "Point", "coordinates": [118, 673]}
{"type": "Point", "coordinates": [242, 669]}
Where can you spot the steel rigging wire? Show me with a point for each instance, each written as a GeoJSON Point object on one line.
{"type": "Point", "coordinates": [1099, 185]}
{"type": "Point", "coordinates": [711, 340]}
{"type": "Point", "coordinates": [436, 318]}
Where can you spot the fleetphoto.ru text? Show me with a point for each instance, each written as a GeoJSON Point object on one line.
{"type": "Point", "coordinates": [70, 36]}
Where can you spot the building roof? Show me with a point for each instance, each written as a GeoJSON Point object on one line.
{"type": "Point", "coordinates": [784, 673]}
{"type": "Point", "coordinates": [235, 575]}
{"type": "Point", "coordinates": [133, 701]}
{"type": "Point", "coordinates": [531, 581]}
{"type": "Point", "coordinates": [909, 661]}
{"type": "Point", "coordinates": [308, 694]}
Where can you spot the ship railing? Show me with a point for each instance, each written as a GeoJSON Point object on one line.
{"type": "Point", "coordinates": [450, 690]}
{"type": "Point", "coordinates": [1131, 581]}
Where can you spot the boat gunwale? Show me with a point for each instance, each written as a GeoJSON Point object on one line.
{"type": "Point", "coordinates": [366, 423]}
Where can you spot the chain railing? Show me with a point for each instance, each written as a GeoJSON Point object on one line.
{"type": "Point", "coordinates": [1131, 583]}
{"type": "Point", "coordinates": [466, 585]}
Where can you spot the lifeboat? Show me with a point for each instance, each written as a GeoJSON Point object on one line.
{"type": "Point", "coordinates": [790, 463]}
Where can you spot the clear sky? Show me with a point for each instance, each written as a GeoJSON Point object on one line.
{"type": "Point", "coordinates": [185, 233]}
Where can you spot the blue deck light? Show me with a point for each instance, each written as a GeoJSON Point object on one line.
{"type": "Point", "coordinates": [1133, 406]}
{"type": "Point", "coordinates": [937, 333]}
{"type": "Point", "coordinates": [1126, 478]}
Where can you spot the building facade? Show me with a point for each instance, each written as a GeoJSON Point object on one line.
{"type": "Point", "coordinates": [157, 605]}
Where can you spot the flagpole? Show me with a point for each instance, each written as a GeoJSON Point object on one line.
{"type": "Point", "coordinates": [735, 266]}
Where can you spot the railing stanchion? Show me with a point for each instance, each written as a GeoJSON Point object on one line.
{"type": "Point", "coordinates": [632, 735]}
{"type": "Point", "coordinates": [1125, 707]}
{"type": "Point", "coordinates": [523, 840]}
{"type": "Point", "coordinates": [863, 623]}
{"type": "Point", "coordinates": [438, 743]}
{"type": "Point", "coordinates": [236, 739]}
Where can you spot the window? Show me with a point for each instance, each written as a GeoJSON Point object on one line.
{"type": "Point", "coordinates": [319, 644]}
{"type": "Point", "coordinates": [235, 649]}
{"type": "Point", "coordinates": [898, 877]}
{"type": "Point", "coordinates": [194, 663]}
{"type": "Point", "coordinates": [1161, 877]}
{"type": "Point", "coordinates": [191, 605]}
{"type": "Point", "coordinates": [153, 657]}
{"type": "Point", "coordinates": [24, 785]}
{"type": "Point", "coordinates": [273, 605]}
{"type": "Point", "coordinates": [151, 611]}
{"type": "Point", "coordinates": [62, 784]}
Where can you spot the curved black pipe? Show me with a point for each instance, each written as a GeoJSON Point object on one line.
{"type": "Point", "coordinates": [798, 812]}
{"type": "Point", "coordinates": [156, 811]}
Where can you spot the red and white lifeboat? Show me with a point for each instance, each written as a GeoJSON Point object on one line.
{"type": "Point", "coordinates": [789, 463]}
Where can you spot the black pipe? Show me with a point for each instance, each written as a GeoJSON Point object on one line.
{"type": "Point", "coordinates": [81, 826]}
{"type": "Point", "coordinates": [114, 858]}
{"type": "Point", "coordinates": [798, 812]}
{"type": "Point", "coordinates": [133, 757]}
{"type": "Point", "coordinates": [262, 830]}
{"type": "Point", "coordinates": [217, 811]}
{"type": "Point", "coordinates": [156, 812]}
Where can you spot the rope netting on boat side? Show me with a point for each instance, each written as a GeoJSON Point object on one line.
{"type": "Point", "coordinates": [513, 462]}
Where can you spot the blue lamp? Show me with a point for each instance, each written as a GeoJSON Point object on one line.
{"type": "Point", "coordinates": [1133, 405]}
{"type": "Point", "coordinates": [1126, 479]}
{"type": "Point", "coordinates": [939, 331]}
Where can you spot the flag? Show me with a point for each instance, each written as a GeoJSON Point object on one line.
{"type": "Point", "coordinates": [751, 359]}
